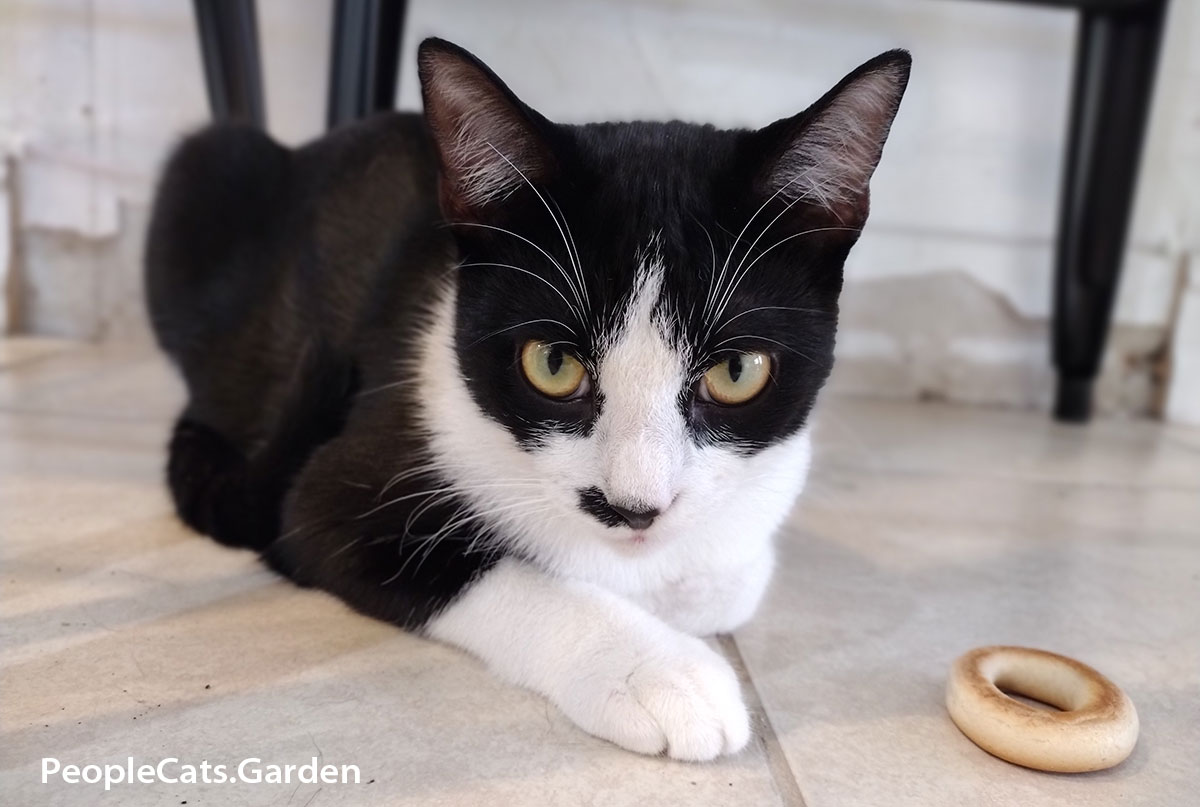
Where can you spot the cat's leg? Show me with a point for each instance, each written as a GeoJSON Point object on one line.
{"type": "Point", "coordinates": [371, 528]}
{"type": "Point", "coordinates": [207, 478]}
{"type": "Point", "coordinates": [617, 671]}
{"type": "Point", "coordinates": [237, 499]}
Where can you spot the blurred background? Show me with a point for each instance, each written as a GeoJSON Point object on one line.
{"type": "Point", "coordinates": [949, 291]}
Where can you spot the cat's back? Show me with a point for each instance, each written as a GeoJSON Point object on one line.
{"type": "Point", "coordinates": [241, 222]}
{"type": "Point", "coordinates": [369, 220]}
{"type": "Point", "coordinates": [255, 250]}
{"type": "Point", "coordinates": [381, 169]}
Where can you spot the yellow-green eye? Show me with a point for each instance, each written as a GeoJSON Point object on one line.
{"type": "Point", "coordinates": [553, 371]}
{"type": "Point", "coordinates": [737, 379]}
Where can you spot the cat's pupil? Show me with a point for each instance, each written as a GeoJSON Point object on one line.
{"type": "Point", "coordinates": [735, 368]}
{"type": "Point", "coordinates": [554, 360]}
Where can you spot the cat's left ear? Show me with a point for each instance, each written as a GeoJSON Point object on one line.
{"type": "Point", "coordinates": [489, 143]}
{"type": "Point", "coordinates": [822, 159]}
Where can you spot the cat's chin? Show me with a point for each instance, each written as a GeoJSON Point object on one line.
{"type": "Point", "coordinates": [634, 542]}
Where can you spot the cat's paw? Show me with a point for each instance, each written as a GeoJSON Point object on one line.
{"type": "Point", "coordinates": [682, 699]}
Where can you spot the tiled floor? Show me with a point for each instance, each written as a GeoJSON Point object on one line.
{"type": "Point", "coordinates": [926, 530]}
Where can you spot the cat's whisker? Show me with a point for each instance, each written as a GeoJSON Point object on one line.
{"type": "Point", "coordinates": [549, 257]}
{"type": "Point", "coordinates": [571, 306]}
{"type": "Point", "coordinates": [712, 275]}
{"type": "Point", "coordinates": [432, 501]}
{"type": "Point", "coordinates": [736, 276]}
{"type": "Point", "coordinates": [758, 338]}
{"type": "Point", "coordinates": [756, 309]}
{"type": "Point", "coordinates": [382, 387]}
{"type": "Point", "coordinates": [737, 279]}
{"type": "Point", "coordinates": [746, 227]}
{"type": "Point", "coordinates": [348, 545]}
{"type": "Point", "coordinates": [416, 470]}
{"type": "Point", "coordinates": [771, 223]}
{"type": "Point", "coordinates": [712, 248]}
{"type": "Point", "coordinates": [572, 247]}
{"type": "Point", "coordinates": [431, 468]}
{"type": "Point", "coordinates": [449, 493]}
{"type": "Point", "coordinates": [455, 488]}
{"type": "Point", "coordinates": [562, 325]}
{"type": "Point", "coordinates": [428, 543]}
{"type": "Point", "coordinates": [572, 258]}
{"type": "Point", "coordinates": [486, 533]}
{"type": "Point", "coordinates": [715, 328]}
{"type": "Point", "coordinates": [412, 549]}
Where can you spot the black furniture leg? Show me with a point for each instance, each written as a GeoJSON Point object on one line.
{"type": "Point", "coordinates": [365, 58]}
{"type": "Point", "coordinates": [232, 70]}
{"type": "Point", "coordinates": [1114, 74]}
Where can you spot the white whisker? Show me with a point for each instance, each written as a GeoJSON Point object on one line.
{"type": "Point", "coordinates": [578, 314]}
{"type": "Point", "coordinates": [736, 280]}
{"type": "Point", "coordinates": [452, 489]}
{"type": "Point", "coordinates": [725, 324]}
{"type": "Point", "coordinates": [572, 258]}
{"type": "Point", "coordinates": [549, 257]}
{"type": "Point", "coordinates": [562, 325]}
{"type": "Point", "coordinates": [749, 221]}
{"type": "Point", "coordinates": [718, 345]}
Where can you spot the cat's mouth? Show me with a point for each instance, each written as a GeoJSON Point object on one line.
{"type": "Point", "coordinates": [627, 523]}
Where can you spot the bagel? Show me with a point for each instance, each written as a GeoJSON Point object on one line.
{"type": "Point", "coordinates": [1096, 727]}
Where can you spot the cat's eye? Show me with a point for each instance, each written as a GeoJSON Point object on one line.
{"type": "Point", "coordinates": [737, 379]}
{"type": "Point", "coordinates": [553, 371]}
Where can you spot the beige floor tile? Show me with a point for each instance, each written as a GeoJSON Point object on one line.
{"type": "Point", "coordinates": [888, 574]}
{"type": "Point", "coordinates": [941, 438]}
{"type": "Point", "coordinates": [112, 382]}
{"type": "Point", "coordinates": [19, 350]}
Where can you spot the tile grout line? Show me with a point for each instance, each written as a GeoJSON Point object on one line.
{"type": "Point", "coordinates": [781, 771]}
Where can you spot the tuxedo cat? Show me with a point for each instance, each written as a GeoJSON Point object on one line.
{"type": "Point", "coordinates": [534, 390]}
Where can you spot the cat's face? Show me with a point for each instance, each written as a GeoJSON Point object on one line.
{"type": "Point", "coordinates": [647, 310]}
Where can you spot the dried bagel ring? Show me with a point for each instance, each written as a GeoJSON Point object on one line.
{"type": "Point", "coordinates": [1096, 728]}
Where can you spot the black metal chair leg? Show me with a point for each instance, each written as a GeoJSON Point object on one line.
{"type": "Point", "coordinates": [232, 69]}
{"type": "Point", "coordinates": [1114, 74]}
{"type": "Point", "coordinates": [365, 59]}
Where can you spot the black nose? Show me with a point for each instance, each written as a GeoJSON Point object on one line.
{"type": "Point", "coordinates": [593, 502]}
{"type": "Point", "coordinates": [638, 519]}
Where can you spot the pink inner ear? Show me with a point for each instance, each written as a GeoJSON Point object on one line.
{"type": "Point", "coordinates": [487, 146]}
{"type": "Point", "coordinates": [831, 161]}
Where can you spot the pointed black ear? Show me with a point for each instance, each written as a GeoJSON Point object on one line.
{"type": "Point", "coordinates": [825, 156]}
{"type": "Point", "coordinates": [488, 142]}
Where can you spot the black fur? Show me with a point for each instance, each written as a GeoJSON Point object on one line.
{"type": "Point", "coordinates": [287, 285]}
{"type": "Point", "coordinates": [594, 502]}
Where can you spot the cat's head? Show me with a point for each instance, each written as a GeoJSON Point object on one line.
{"type": "Point", "coordinates": [644, 309]}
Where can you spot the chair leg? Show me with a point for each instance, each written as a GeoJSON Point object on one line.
{"type": "Point", "coordinates": [1115, 65]}
{"type": "Point", "coordinates": [232, 69]}
{"type": "Point", "coordinates": [365, 58]}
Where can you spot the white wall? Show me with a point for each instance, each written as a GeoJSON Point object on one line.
{"type": "Point", "coordinates": [92, 93]}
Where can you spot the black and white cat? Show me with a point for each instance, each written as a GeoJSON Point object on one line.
{"type": "Point", "coordinates": [538, 391]}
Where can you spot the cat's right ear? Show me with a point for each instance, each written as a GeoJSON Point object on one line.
{"type": "Point", "coordinates": [489, 144]}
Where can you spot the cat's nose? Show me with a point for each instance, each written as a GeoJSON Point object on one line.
{"type": "Point", "coordinates": [637, 519]}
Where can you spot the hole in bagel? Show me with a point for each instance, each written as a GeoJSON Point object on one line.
{"type": "Point", "coordinates": [1040, 683]}
{"type": "Point", "coordinates": [1028, 701]}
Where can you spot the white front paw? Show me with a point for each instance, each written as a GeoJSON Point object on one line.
{"type": "Point", "coordinates": [681, 698]}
